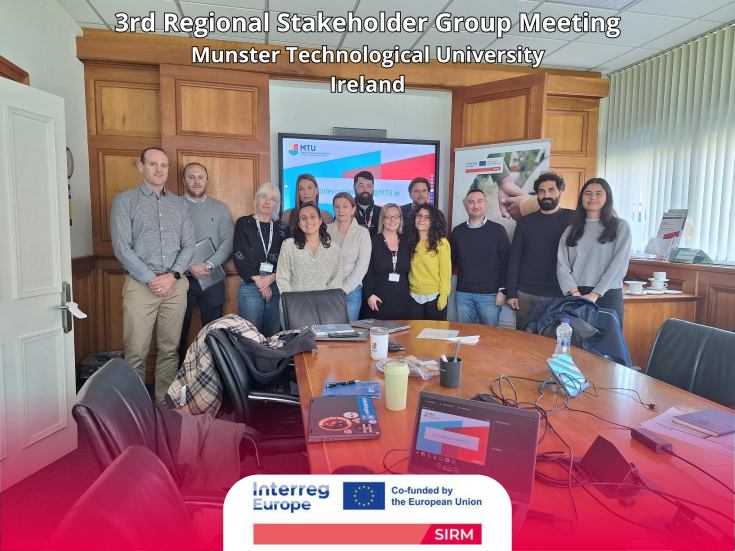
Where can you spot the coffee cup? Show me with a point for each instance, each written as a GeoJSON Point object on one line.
{"type": "Point", "coordinates": [396, 385]}
{"type": "Point", "coordinates": [659, 275]}
{"type": "Point", "coordinates": [450, 372]}
{"type": "Point", "coordinates": [635, 287]}
{"type": "Point", "coordinates": [657, 285]}
{"type": "Point", "coordinates": [379, 343]}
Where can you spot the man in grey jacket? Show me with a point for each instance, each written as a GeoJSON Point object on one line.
{"type": "Point", "coordinates": [211, 219]}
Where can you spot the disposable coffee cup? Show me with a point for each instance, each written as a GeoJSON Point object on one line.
{"type": "Point", "coordinates": [659, 275]}
{"type": "Point", "coordinates": [379, 343]}
{"type": "Point", "coordinates": [450, 372]}
{"type": "Point", "coordinates": [396, 385]}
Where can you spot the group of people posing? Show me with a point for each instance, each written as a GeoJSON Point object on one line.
{"type": "Point", "coordinates": [391, 262]}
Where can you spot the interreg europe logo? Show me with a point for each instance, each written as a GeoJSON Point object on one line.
{"type": "Point", "coordinates": [363, 495]}
{"type": "Point", "coordinates": [293, 149]}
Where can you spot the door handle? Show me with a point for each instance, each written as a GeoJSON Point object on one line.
{"type": "Point", "coordinates": [68, 308]}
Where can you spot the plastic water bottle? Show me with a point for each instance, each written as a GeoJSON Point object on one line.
{"type": "Point", "coordinates": [563, 339]}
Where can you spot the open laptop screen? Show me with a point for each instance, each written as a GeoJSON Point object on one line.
{"type": "Point", "coordinates": [459, 436]}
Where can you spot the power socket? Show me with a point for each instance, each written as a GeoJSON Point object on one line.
{"type": "Point", "coordinates": [651, 440]}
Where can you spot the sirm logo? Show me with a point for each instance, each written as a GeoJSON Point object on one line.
{"type": "Point", "coordinates": [454, 533]}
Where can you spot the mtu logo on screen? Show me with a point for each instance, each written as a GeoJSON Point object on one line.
{"type": "Point", "coordinates": [293, 149]}
{"type": "Point", "coordinates": [363, 495]}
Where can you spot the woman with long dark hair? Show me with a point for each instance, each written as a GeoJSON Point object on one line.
{"type": "Point", "coordinates": [308, 261]}
{"type": "Point", "coordinates": [430, 278]}
{"type": "Point", "coordinates": [594, 250]}
{"type": "Point", "coordinates": [307, 191]}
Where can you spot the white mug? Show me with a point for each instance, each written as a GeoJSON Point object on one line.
{"type": "Point", "coordinates": [659, 275]}
{"type": "Point", "coordinates": [657, 285]}
{"type": "Point", "coordinates": [635, 287]}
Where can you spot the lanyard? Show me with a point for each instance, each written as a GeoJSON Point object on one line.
{"type": "Point", "coordinates": [395, 255]}
{"type": "Point", "coordinates": [270, 238]}
{"type": "Point", "coordinates": [368, 222]}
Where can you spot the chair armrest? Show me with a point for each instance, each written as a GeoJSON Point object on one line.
{"type": "Point", "coordinates": [204, 499]}
{"type": "Point", "coordinates": [275, 397]}
{"type": "Point", "coordinates": [635, 368]}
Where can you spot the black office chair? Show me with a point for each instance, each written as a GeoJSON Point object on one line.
{"type": "Point", "coordinates": [695, 358]}
{"type": "Point", "coordinates": [314, 308]}
{"type": "Point", "coordinates": [276, 416]}
{"type": "Point", "coordinates": [134, 504]}
{"type": "Point", "coordinates": [115, 412]}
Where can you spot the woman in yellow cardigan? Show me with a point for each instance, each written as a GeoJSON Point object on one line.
{"type": "Point", "coordinates": [430, 278]}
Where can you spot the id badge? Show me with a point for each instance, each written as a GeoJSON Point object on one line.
{"type": "Point", "coordinates": [266, 268]}
{"type": "Point", "coordinates": [394, 277]}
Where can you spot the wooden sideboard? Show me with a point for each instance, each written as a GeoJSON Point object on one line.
{"type": "Point", "coordinates": [708, 299]}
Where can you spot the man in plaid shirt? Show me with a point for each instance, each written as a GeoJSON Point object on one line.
{"type": "Point", "coordinates": [153, 237]}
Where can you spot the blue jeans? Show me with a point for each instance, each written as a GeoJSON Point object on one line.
{"type": "Point", "coordinates": [252, 306]}
{"type": "Point", "coordinates": [473, 307]}
{"type": "Point", "coordinates": [354, 302]}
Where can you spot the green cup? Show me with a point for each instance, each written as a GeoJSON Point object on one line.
{"type": "Point", "coordinates": [396, 385]}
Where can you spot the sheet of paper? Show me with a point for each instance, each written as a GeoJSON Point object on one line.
{"type": "Point", "coordinates": [465, 340]}
{"type": "Point", "coordinates": [664, 425]}
{"type": "Point", "coordinates": [438, 334]}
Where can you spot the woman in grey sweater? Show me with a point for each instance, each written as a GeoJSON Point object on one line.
{"type": "Point", "coordinates": [356, 249]}
{"type": "Point", "coordinates": [594, 250]}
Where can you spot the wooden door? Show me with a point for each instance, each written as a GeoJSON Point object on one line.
{"type": "Point", "coordinates": [507, 110]}
{"type": "Point", "coordinates": [221, 119]}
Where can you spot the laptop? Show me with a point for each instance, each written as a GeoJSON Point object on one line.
{"type": "Point", "coordinates": [460, 436]}
{"type": "Point", "coordinates": [205, 251]}
{"type": "Point", "coordinates": [342, 418]}
{"type": "Point", "coordinates": [369, 323]}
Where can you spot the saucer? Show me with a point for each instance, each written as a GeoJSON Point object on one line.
{"type": "Point", "coordinates": [654, 279]}
{"type": "Point", "coordinates": [636, 294]}
{"type": "Point", "coordinates": [656, 292]}
{"type": "Point", "coordinates": [672, 292]}
{"type": "Point", "coordinates": [635, 282]}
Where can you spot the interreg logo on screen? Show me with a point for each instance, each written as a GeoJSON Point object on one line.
{"type": "Point", "coordinates": [287, 497]}
{"type": "Point", "coordinates": [295, 148]}
{"type": "Point", "coordinates": [363, 495]}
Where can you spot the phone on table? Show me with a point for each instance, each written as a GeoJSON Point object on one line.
{"type": "Point", "coordinates": [395, 346]}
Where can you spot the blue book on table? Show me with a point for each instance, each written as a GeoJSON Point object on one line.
{"type": "Point", "coordinates": [360, 388]}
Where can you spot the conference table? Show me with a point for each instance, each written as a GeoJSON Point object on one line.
{"type": "Point", "coordinates": [518, 354]}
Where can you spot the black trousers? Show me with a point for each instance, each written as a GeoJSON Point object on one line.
{"type": "Point", "coordinates": [612, 300]}
{"type": "Point", "coordinates": [427, 311]}
{"type": "Point", "coordinates": [211, 305]}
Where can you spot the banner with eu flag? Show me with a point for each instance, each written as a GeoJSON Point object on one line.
{"type": "Point", "coordinates": [363, 495]}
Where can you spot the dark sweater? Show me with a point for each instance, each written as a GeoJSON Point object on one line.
{"type": "Point", "coordinates": [532, 264]}
{"type": "Point", "coordinates": [371, 214]}
{"type": "Point", "coordinates": [248, 250]}
{"type": "Point", "coordinates": [482, 256]}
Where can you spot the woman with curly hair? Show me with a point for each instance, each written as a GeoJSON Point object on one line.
{"type": "Point", "coordinates": [308, 261]}
{"type": "Point", "coordinates": [307, 191]}
{"type": "Point", "coordinates": [431, 265]}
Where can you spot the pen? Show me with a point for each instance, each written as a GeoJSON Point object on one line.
{"type": "Point", "coordinates": [343, 383]}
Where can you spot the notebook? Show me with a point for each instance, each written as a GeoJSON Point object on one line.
{"type": "Point", "coordinates": [709, 421]}
{"type": "Point", "coordinates": [391, 326]}
{"type": "Point", "coordinates": [460, 436]}
{"type": "Point", "coordinates": [342, 418]}
{"type": "Point", "coordinates": [205, 251]}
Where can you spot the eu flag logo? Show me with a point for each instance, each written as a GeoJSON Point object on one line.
{"type": "Point", "coordinates": [363, 495]}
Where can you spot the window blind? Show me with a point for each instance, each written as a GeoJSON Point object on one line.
{"type": "Point", "coordinates": [671, 142]}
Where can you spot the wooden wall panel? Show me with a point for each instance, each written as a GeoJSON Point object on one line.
{"type": "Point", "coordinates": [216, 111]}
{"type": "Point", "coordinates": [124, 108]}
{"type": "Point", "coordinates": [118, 172]}
{"type": "Point", "coordinates": [496, 119]}
{"type": "Point", "coordinates": [232, 179]}
{"type": "Point", "coordinates": [84, 293]}
{"type": "Point", "coordinates": [574, 178]}
{"type": "Point", "coordinates": [717, 289]}
{"type": "Point", "coordinates": [569, 130]}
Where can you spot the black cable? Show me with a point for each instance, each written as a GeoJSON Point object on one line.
{"type": "Point", "coordinates": [387, 469]}
{"type": "Point", "coordinates": [640, 400]}
{"type": "Point", "coordinates": [671, 452]}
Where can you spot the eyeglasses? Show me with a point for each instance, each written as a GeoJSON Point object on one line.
{"type": "Point", "coordinates": [266, 198]}
{"type": "Point", "coordinates": [423, 217]}
{"type": "Point", "coordinates": [392, 217]}
{"type": "Point", "coordinates": [364, 186]}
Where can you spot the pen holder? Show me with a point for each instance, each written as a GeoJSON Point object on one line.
{"type": "Point", "coordinates": [450, 372]}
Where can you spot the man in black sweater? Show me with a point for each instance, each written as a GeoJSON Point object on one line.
{"type": "Point", "coordinates": [367, 213]}
{"type": "Point", "coordinates": [532, 265]}
{"type": "Point", "coordinates": [480, 248]}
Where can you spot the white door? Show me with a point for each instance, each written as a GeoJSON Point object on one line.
{"type": "Point", "coordinates": [36, 355]}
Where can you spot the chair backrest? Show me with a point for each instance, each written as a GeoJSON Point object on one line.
{"type": "Point", "coordinates": [314, 308]}
{"type": "Point", "coordinates": [233, 372]}
{"type": "Point", "coordinates": [115, 412]}
{"type": "Point", "coordinates": [134, 504]}
{"type": "Point", "coordinates": [695, 358]}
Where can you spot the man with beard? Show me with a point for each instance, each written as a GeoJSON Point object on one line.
{"type": "Point", "coordinates": [420, 192]}
{"type": "Point", "coordinates": [211, 219]}
{"type": "Point", "coordinates": [367, 213]}
{"type": "Point", "coordinates": [532, 264]}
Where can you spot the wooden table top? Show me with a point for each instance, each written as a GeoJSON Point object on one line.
{"type": "Point", "coordinates": [514, 353]}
